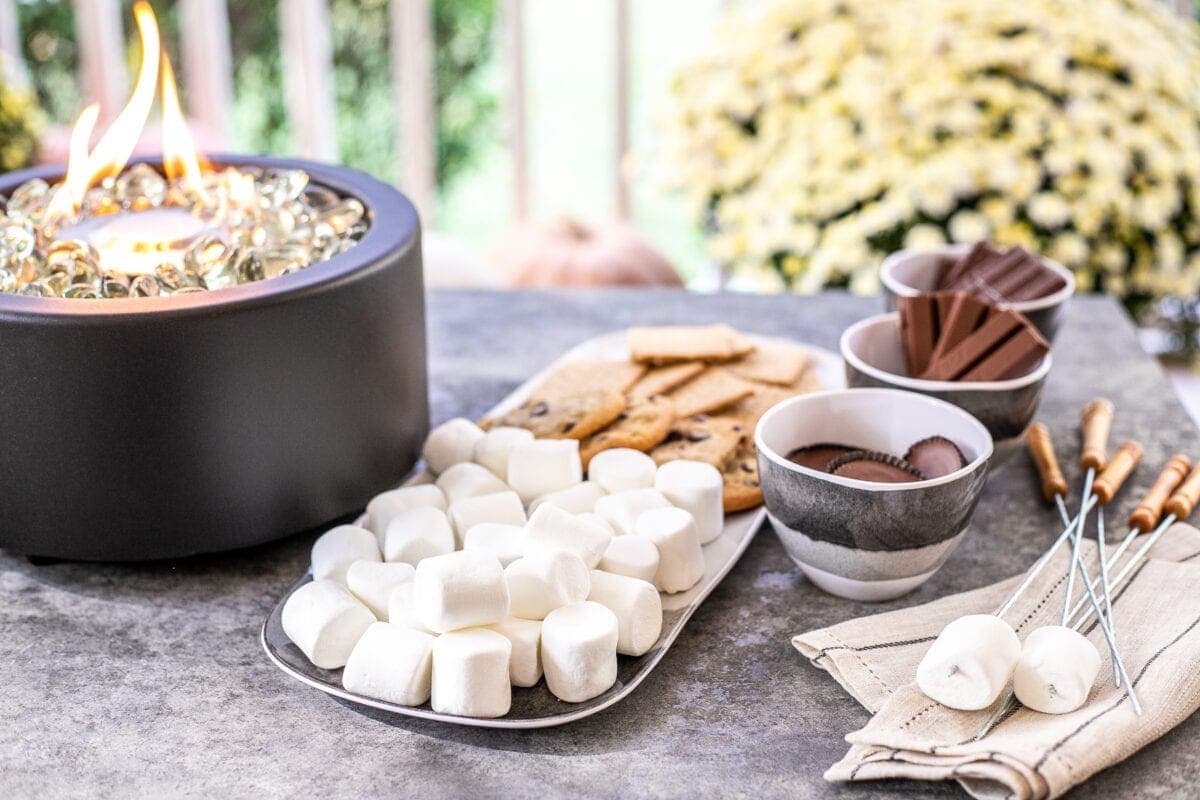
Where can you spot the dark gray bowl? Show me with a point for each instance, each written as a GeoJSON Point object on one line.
{"type": "Point", "coordinates": [859, 539]}
{"type": "Point", "coordinates": [873, 357]}
{"type": "Point", "coordinates": [909, 272]}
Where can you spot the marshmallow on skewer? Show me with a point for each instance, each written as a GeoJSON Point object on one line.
{"type": "Point", "coordinates": [543, 581]}
{"type": "Point", "coordinates": [471, 673]}
{"type": "Point", "coordinates": [578, 499]}
{"type": "Point", "coordinates": [551, 528]}
{"type": "Point", "coordinates": [335, 550]}
{"type": "Point", "coordinates": [525, 636]}
{"type": "Point", "coordinates": [579, 651]}
{"type": "Point", "coordinates": [492, 450]}
{"type": "Point", "coordinates": [460, 590]}
{"type": "Point", "coordinates": [504, 507]}
{"type": "Point", "coordinates": [697, 488]}
{"type": "Point", "coordinates": [325, 621]}
{"type": "Point", "coordinates": [1056, 670]}
{"type": "Point", "coordinates": [391, 663]}
{"type": "Point", "coordinates": [970, 662]}
{"type": "Point", "coordinates": [469, 479]}
{"type": "Point", "coordinates": [402, 609]}
{"type": "Point", "coordinates": [621, 469]}
{"type": "Point", "coordinates": [637, 606]}
{"type": "Point", "coordinates": [623, 508]}
{"type": "Point", "coordinates": [450, 443]}
{"type": "Point", "coordinates": [632, 556]}
{"type": "Point", "coordinates": [544, 466]}
{"type": "Point", "coordinates": [417, 533]}
{"type": "Point", "coordinates": [373, 582]}
{"type": "Point", "coordinates": [383, 508]}
{"type": "Point", "coordinates": [501, 540]}
{"type": "Point", "coordinates": [680, 559]}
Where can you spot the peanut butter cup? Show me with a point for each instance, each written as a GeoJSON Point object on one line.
{"type": "Point", "coordinates": [935, 456]}
{"type": "Point", "coordinates": [870, 465]}
{"type": "Point", "coordinates": [818, 456]}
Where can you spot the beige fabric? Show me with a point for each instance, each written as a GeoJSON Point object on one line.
{"type": "Point", "coordinates": [1028, 755]}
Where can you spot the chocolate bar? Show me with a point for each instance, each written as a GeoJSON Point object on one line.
{"type": "Point", "coordinates": [964, 315]}
{"type": "Point", "coordinates": [1008, 276]}
{"type": "Point", "coordinates": [918, 330]}
{"type": "Point", "coordinates": [1004, 346]}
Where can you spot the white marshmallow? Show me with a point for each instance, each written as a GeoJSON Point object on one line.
{"type": "Point", "coordinates": [542, 582]}
{"type": "Point", "coordinates": [460, 590]}
{"type": "Point", "coordinates": [492, 450]}
{"type": "Point", "coordinates": [592, 516]}
{"type": "Point", "coordinates": [373, 582]}
{"type": "Point", "coordinates": [970, 662]}
{"type": "Point", "coordinates": [391, 663]}
{"type": "Point", "coordinates": [417, 533]}
{"type": "Point", "coordinates": [502, 507]}
{"type": "Point", "coordinates": [335, 550]}
{"type": "Point", "coordinates": [1056, 670]}
{"type": "Point", "coordinates": [680, 559]}
{"type": "Point", "coordinates": [579, 651]}
{"type": "Point", "coordinates": [402, 609]}
{"type": "Point", "coordinates": [544, 466]}
{"type": "Point", "coordinates": [325, 621]}
{"type": "Point", "coordinates": [502, 541]}
{"type": "Point", "coordinates": [551, 528]}
{"type": "Point", "coordinates": [471, 673]}
{"type": "Point", "coordinates": [469, 479]}
{"type": "Point", "coordinates": [578, 499]}
{"type": "Point", "coordinates": [637, 606]}
{"type": "Point", "coordinates": [383, 508]}
{"type": "Point", "coordinates": [697, 488]}
{"type": "Point", "coordinates": [450, 443]}
{"type": "Point", "coordinates": [525, 636]}
{"type": "Point", "coordinates": [621, 469]}
{"type": "Point", "coordinates": [623, 508]}
{"type": "Point", "coordinates": [632, 556]}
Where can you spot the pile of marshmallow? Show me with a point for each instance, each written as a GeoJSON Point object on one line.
{"type": "Point", "coordinates": [975, 657]}
{"type": "Point", "coordinates": [508, 567]}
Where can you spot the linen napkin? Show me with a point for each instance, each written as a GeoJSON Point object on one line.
{"type": "Point", "coordinates": [1028, 755]}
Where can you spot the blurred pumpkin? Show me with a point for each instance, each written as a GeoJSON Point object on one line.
{"type": "Point", "coordinates": [568, 252]}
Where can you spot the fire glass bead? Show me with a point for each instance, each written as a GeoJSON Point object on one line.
{"type": "Point", "coordinates": [28, 199]}
{"type": "Point", "coordinates": [140, 185]}
{"type": "Point", "coordinates": [144, 286]}
{"type": "Point", "coordinates": [8, 282]}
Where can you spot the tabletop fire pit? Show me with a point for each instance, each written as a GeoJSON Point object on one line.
{"type": "Point", "coordinates": [202, 358]}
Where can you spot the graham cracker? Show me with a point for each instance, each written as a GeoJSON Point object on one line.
{"type": "Point", "coordinates": [711, 390]}
{"type": "Point", "coordinates": [671, 344]}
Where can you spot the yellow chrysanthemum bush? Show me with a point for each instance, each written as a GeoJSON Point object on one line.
{"type": "Point", "coordinates": [820, 135]}
{"type": "Point", "coordinates": [21, 122]}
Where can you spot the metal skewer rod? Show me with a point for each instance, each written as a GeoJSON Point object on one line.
{"type": "Point", "coordinates": [1096, 422]}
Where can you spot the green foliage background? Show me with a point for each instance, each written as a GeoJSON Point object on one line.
{"type": "Point", "coordinates": [466, 103]}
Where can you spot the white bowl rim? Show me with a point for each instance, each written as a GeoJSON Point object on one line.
{"type": "Point", "coordinates": [921, 385]}
{"type": "Point", "coordinates": [1036, 304]}
{"type": "Point", "coordinates": [873, 486]}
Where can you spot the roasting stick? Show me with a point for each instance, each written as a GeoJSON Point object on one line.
{"type": "Point", "coordinates": [1096, 422]}
{"type": "Point", "coordinates": [1184, 494]}
{"type": "Point", "coordinates": [1119, 467]}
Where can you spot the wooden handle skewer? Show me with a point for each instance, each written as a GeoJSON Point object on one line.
{"type": "Point", "coordinates": [1117, 471]}
{"type": "Point", "coordinates": [1041, 450]}
{"type": "Point", "coordinates": [1096, 422]}
{"type": "Point", "coordinates": [1147, 513]}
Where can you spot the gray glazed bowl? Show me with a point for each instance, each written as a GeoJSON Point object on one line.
{"type": "Point", "coordinates": [873, 356]}
{"type": "Point", "coordinates": [909, 272]}
{"type": "Point", "coordinates": [859, 539]}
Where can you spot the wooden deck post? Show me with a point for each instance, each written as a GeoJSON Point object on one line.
{"type": "Point", "coordinates": [308, 77]}
{"type": "Point", "coordinates": [12, 62]}
{"type": "Point", "coordinates": [416, 120]}
{"type": "Point", "coordinates": [621, 117]}
{"type": "Point", "coordinates": [514, 29]}
{"type": "Point", "coordinates": [101, 41]}
{"type": "Point", "coordinates": [207, 64]}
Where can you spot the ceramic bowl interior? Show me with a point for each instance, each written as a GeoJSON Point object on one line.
{"type": "Point", "coordinates": [872, 346]}
{"type": "Point", "coordinates": [886, 420]}
{"type": "Point", "coordinates": [909, 272]}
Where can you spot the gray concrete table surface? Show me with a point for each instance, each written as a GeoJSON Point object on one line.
{"type": "Point", "coordinates": [147, 680]}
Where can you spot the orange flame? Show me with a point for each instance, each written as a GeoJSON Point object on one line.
{"type": "Point", "coordinates": [116, 146]}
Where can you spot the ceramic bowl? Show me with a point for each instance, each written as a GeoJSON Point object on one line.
{"type": "Point", "coordinates": [860, 539]}
{"type": "Point", "coordinates": [873, 356]}
{"type": "Point", "coordinates": [909, 272]}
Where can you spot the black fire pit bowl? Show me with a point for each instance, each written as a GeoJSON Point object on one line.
{"type": "Point", "coordinates": [152, 428]}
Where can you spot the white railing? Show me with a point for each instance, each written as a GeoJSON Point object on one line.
{"type": "Point", "coordinates": [307, 50]}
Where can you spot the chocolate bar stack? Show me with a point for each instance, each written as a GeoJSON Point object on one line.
{"type": "Point", "coordinates": [1000, 276]}
{"type": "Point", "coordinates": [953, 336]}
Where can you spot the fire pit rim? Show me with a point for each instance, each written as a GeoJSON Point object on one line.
{"type": "Point", "coordinates": [394, 228]}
